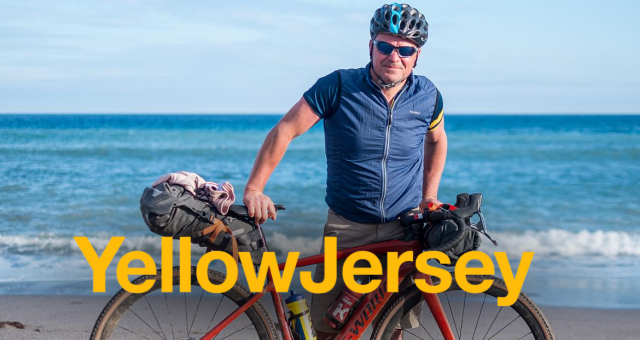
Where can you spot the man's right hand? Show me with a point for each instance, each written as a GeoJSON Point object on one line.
{"type": "Point", "coordinates": [259, 206]}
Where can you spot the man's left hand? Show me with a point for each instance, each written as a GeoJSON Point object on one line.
{"type": "Point", "coordinates": [424, 205]}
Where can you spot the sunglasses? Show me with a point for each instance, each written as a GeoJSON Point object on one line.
{"type": "Point", "coordinates": [387, 49]}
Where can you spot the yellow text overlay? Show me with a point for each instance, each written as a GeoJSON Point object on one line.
{"type": "Point", "coordinates": [406, 262]}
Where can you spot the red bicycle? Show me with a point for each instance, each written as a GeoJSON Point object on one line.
{"type": "Point", "coordinates": [238, 313]}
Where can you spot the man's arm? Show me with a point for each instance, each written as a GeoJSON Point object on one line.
{"type": "Point", "coordinates": [435, 155]}
{"type": "Point", "coordinates": [296, 122]}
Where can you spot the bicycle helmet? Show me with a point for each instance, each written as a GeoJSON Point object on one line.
{"type": "Point", "coordinates": [401, 20]}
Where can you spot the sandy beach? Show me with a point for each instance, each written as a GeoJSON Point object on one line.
{"type": "Point", "coordinates": [72, 317]}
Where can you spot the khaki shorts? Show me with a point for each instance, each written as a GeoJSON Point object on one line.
{"type": "Point", "coordinates": [353, 234]}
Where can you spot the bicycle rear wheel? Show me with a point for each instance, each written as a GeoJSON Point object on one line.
{"type": "Point", "coordinates": [172, 316]}
{"type": "Point", "coordinates": [472, 316]}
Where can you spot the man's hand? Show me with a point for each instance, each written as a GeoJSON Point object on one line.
{"type": "Point", "coordinates": [424, 205]}
{"type": "Point", "coordinates": [259, 206]}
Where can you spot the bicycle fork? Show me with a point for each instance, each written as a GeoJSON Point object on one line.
{"type": "Point", "coordinates": [435, 307]}
{"type": "Point", "coordinates": [255, 297]}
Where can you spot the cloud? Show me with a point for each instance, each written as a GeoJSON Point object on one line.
{"type": "Point", "coordinates": [96, 30]}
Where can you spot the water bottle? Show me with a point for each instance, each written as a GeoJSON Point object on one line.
{"type": "Point", "coordinates": [340, 309]}
{"type": "Point", "coordinates": [299, 318]}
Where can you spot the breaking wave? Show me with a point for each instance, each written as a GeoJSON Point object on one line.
{"type": "Point", "coordinates": [554, 242]}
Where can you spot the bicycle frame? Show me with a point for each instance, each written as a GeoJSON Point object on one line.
{"type": "Point", "coordinates": [368, 308]}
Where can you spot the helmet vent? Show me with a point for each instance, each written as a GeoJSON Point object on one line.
{"type": "Point", "coordinates": [400, 20]}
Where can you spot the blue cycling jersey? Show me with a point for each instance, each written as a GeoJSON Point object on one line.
{"type": "Point", "coordinates": [375, 150]}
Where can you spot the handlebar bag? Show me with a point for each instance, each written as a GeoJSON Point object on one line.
{"type": "Point", "coordinates": [170, 210]}
{"type": "Point", "coordinates": [443, 231]}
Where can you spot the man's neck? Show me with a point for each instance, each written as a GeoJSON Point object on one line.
{"type": "Point", "coordinates": [389, 92]}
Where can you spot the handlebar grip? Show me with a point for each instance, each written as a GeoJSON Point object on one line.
{"type": "Point", "coordinates": [472, 207]}
{"type": "Point", "coordinates": [280, 207]}
{"type": "Point", "coordinates": [461, 200]}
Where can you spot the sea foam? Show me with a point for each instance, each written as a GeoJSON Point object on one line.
{"type": "Point", "coordinates": [554, 242]}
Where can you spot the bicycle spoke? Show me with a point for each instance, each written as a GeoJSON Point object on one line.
{"type": "Point", "coordinates": [479, 314]}
{"type": "Point", "coordinates": [425, 329]}
{"type": "Point", "coordinates": [154, 316]}
{"type": "Point", "coordinates": [194, 315]}
{"type": "Point", "coordinates": [132, 332]}
{"type": "Point", "coordinates": [522, 337]}
{"type": "Point", "coordinates": [173, 336]}
{"type": "Point", "coordinates": [501, 329]}
{"type": "Point", "coordinates": [494, 320]}
{"type": "Point", "coordinates": [407, 331]}
{"type": "Point", "coordinates": [134, 313]}
{"type": "Point", "coordinates": [216, 312]}
{"type": "Point", "coordinates": [241, 329]}
{"type": "Point", "coordinates": [464, 305]}
{"type": "Point", "coordinates": [453, 316]}
{"type": "Point", "coordinates": [186, 316]}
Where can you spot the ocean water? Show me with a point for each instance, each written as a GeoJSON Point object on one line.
{"type": "Point", "coordinates": [565, 187]}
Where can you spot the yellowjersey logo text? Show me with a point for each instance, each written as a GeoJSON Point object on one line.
{"type": "Point", "coordinates": [282, 281]}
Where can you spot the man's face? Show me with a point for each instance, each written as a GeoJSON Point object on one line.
{"type": "Point", "coordinates": [392, 68]}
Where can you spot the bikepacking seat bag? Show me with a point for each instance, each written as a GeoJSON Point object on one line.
{"type": "Point", "coordinates": [170, 210]}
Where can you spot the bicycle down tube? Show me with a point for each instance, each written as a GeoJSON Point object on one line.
{"type": "Point", "coordinates": [368, 308]}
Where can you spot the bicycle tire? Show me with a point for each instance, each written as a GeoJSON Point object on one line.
{"type": "Point", "coordinates": [531, 318]}
{"type": "Point", "coordinates": [120, 310]}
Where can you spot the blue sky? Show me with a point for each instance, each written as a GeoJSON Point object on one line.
{"type": "Point", "coordinates": [260, 56]}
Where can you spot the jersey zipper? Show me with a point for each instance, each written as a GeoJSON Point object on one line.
{"type": "Point", "coordinates": [385, 156]}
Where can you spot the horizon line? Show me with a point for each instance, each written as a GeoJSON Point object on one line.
{"type": "Point", "coordinates": [282, 114]}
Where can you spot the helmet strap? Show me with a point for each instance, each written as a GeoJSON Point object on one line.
{"type": "Point", "coordinates": [382, 85]}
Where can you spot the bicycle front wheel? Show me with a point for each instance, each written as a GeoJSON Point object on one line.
{"type": "Point", "coordinates": [186, 316]}
{"type": "Point", "coordinates": [471, 316]}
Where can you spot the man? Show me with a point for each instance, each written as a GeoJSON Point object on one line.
{"type": "Point", "coordinates": [384, 140]}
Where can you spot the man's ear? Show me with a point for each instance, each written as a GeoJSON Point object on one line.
{"type": "Point", "coordinates": [370, 49]}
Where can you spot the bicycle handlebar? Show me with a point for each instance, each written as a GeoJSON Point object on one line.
{"type": "Point", "coordinates": [471, 206]}
{"type": "Point", "coordinates": [240, 211]}
{"type": "Point", "coordinates": [465, 207]}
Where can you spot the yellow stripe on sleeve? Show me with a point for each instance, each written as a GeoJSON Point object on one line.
{"type": "Point", "coordinates": [436, 122]}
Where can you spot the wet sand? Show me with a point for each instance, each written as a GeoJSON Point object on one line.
{"type": "Point", "coordinates": [72, 317]}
